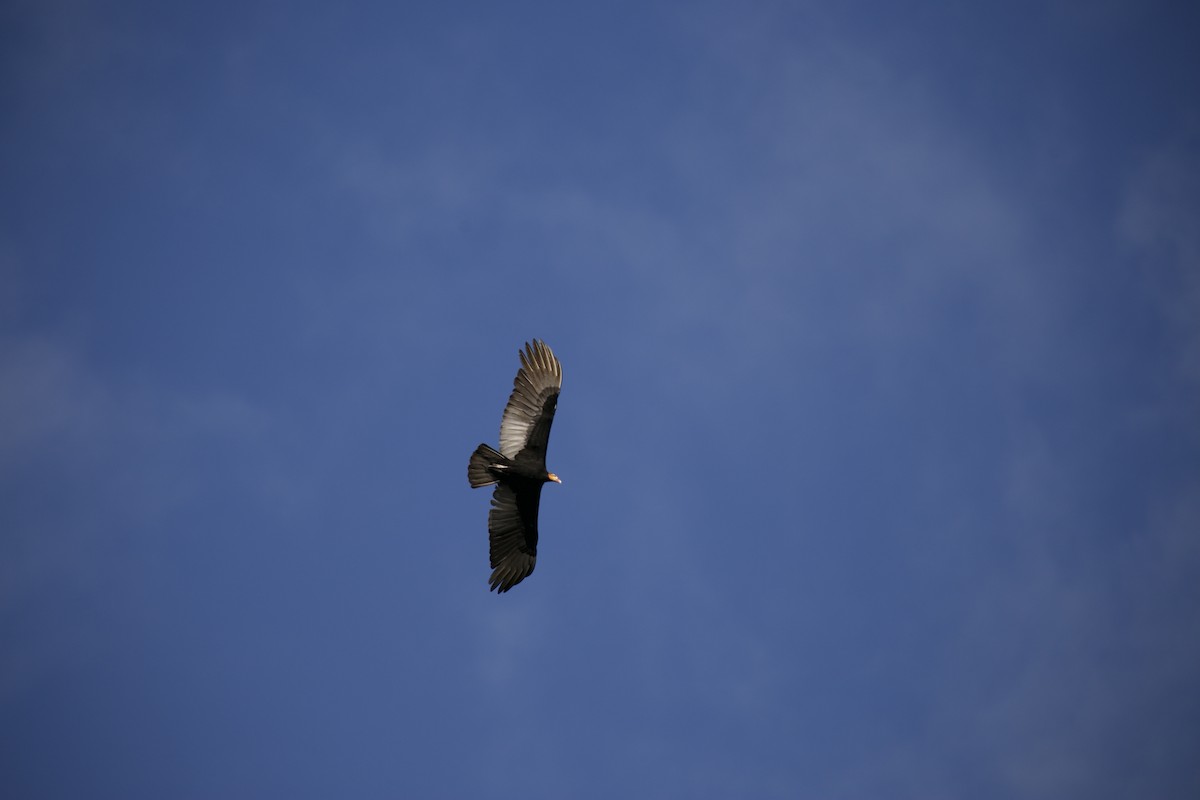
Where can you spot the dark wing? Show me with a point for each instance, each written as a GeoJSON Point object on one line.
{"type": "Point", "coordinates": [512, 534]}
{"type": "Point", "coordinates": [530, 409]}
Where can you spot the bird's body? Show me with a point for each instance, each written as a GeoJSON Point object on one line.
{"type": "Point", "coordinates": [518, 468]}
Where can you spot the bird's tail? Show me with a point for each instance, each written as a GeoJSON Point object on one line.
{"type": "Point", "coordinates": [477, 470]}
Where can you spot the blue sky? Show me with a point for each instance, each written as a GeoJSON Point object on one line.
{"type": "Point", "coordinates": [881, 352]}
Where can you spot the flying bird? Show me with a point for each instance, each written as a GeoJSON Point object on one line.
{"type": "Point", "coordinates": [518, 469]}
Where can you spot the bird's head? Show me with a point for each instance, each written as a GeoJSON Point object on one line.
{"type": "Point", "coordinates": [550, 476]}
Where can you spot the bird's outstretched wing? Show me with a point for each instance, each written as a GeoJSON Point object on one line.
{"type": "Point", "coordinates": [512, 534]}
{"type": "Point", "coordinates": [530, 410]}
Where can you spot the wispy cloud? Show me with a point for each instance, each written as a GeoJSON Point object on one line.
{"type": "Point", "coordinates": [1159, 223]}
{"type": "Point", "coordinates": [100, 464]}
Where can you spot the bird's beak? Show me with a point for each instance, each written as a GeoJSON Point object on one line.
{"type": "Point", "coordinates": [553, 477]}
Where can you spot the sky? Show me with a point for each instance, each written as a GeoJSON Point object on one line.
{"type": "Point", "coordinates": [880, 329]}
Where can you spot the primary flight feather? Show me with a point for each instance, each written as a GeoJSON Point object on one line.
{"type": "Point", "coordinates": [518, 468]}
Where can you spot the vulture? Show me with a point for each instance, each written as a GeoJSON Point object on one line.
{"type": "Point", "coordinates": [518, 468]}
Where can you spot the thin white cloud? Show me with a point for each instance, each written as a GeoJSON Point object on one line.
{"type": "Point", "coordinates": [44, 395]}
{"type": "Point", "coordinates": [105, 456]}
{"type": "Point", "coordinates": [1159, 223]}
